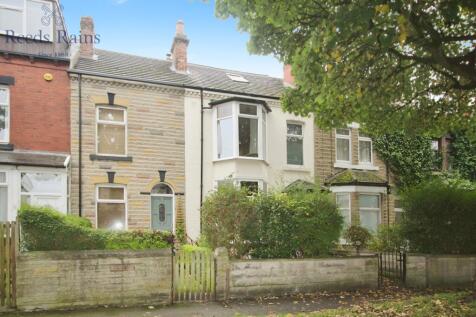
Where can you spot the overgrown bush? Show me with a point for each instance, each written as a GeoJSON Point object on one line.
{"type": "Point", "coordinates": [358, 237]}
{"type": "Point", "coordinates": [275, 225]}
{"type": "Point", "coordinates": [227, 214]}
{"type": "Point", "coordinates": [388, 238]}
{"type": "Point", "coordinates": [297, 224]}
{"type": "Point", "coordinates": [440, 218]}
{"type": "Point", "coordinates": [45, 229]}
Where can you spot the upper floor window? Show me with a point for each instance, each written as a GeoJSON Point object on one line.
{"type": "Point", "coordinates": [27, 18]}
{"type": "Point", "coordinates": [111, 131]}
{"type": "Point", "coordinates": [4, 114]}
{"type": "Point", "coordinates": [365, 149]}
{"type": "Point", "coordinates": [241, 131]}
{"type": "Point", "coordinates": [343, 145]}
{"type": "Point", "coordinates": [294, 145]}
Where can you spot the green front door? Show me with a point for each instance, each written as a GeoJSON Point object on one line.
{"type": "Point", "coordinates": [162, 213]}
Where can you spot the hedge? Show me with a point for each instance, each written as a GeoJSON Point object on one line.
{"type": "Point", "coordinates": [274, 225]}
{"type": "Point", "coordinates": [440, 218]}
{"type": "Point", "coordinates": [45, 229]}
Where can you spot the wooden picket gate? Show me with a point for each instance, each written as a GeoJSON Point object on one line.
{"type": "Point", "coordinates": [193, 276]}
{"type": "Point", "coordinates": [8, 250]}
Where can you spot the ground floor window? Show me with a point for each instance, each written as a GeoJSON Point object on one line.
{"type": "Point", "coordinates": [369, 211]}
{"type": "Point", "coordinates": [398, 211]}
{"type": "Point", "coordinates": [343, 203]}
{"type": "Point", "coordinates": [3, 197]}
{"type": "Point", "coordinates": [42, 189]}
{"type": "Point", "coordinates": [111, 203]}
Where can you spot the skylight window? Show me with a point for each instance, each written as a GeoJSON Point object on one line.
{"type": "Point", "coordinates": [237, 78]}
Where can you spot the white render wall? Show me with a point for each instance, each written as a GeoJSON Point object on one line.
{"type": "Point", "coordinates": [274, 171]}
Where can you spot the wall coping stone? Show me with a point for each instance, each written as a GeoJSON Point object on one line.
{"type": "Point", "coordinates": [92, 254]}
{"type": "Point", "coordinates": [442, 255]}
{"type": "Point", "coordinates": [369, 256]}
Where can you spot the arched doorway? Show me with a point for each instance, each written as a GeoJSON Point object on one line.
{"type": "Point", "coordinates": [162, 208]}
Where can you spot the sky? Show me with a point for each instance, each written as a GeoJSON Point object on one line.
{"type": "Point", "coordinates": [147, 27]}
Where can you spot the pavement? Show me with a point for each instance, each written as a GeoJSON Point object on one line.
{"type": "Point", "coordinates": [258, 306]}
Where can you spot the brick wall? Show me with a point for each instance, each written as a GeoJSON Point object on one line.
{"type": "Point", "coordinates": [39, 118]}
{"type": "Point", "coordinates": [66, 279]}
{"type": "Point", "coordinates": [278, 276]}
{"type": "Point", "coordinates": [155, 141]}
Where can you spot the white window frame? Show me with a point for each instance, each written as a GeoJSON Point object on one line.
{"type": "Point", "coordinates": [397, 210]}
{"type": "Point", "coordinates": [173, 205]}
{"type": "Point", "coordinates": [347, 208]}
{"type": "Point", "coordinates": [261, 114]}
{"type": "Point", "coordinates": [366, 139]}
{"type": "Point", "coordinates": [5, 185]}
{"type": "Point", "coordinates": [23, 10]}
{"type": "Point", "coordinates": [295, 136]}
{"type": "Point", "coordinates": [7, 119]}
{"type": "Point", "coordinates": [379, 209]}
{"type": "Point", "coordinates": [112, 201]}
{"type": "Point", "coordinates": [344, 137]}
{"type": "Point", "coordinates": [124, 123]}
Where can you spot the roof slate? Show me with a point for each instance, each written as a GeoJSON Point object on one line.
{"type": "Point", "coordinates": [140, 68]}
{"type": "Point", "coordinates": [355, 177]}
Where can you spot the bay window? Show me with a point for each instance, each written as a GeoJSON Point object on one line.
{"type": "Point", "coordinates": [343, 143]}
{"type": "Point", "coordinates": [294, 144]}
{"type": "Point", "coordinates": [3, 197]}
{"type": "Point", "coordinates": [111, 207]}
{"type": "Point", "coordinates": [4, 114]}
{"type": "Point", "coordinates": [369, 210]}
{"type": "Point", "coordinates": [365, 149]}
{"type": "Point", "coordinates": [44, 189]}
{"type": "Point", "coordinates": [343, 204]}
{"type": "Point", "coordinates": [240, 131]}
{"type": "Point", "coordinates": [28, 17]}
{"type": "Point", "coordinates": [398, 211]}
{"type": "Point", "coordinates": [111, 131]}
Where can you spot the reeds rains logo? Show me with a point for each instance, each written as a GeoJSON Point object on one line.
{"type": "Point", "coordinates": [49, 28]}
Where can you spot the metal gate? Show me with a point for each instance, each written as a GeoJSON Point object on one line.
{"type": "Point", "coordinates": [392, 265]}
{"type": "Point", "coordinates": [193, 276]}
{"type": "Point", "coordinates": [8, 251]}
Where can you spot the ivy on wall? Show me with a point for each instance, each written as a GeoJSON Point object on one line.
{"type": "Point", "coordinates": [463, 155]}
{"type": "Point", "coordinates": [410, 158]}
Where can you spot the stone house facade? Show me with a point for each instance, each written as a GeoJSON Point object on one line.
{"type": "Point", "coordinates": [34, 109]}
{"type": "Point", "coordinates": [151, 138]}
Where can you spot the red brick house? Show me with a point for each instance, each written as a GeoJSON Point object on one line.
{"type": "Point", "coordinates": [34, 107]}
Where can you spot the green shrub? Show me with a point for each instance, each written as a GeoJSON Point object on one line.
{"type": "Point", "coordinates": [358, 237]}
{"type": "Point", "coordinates": [440, 218]}
{"type": "Point", "coordinates": [301, 223]}
{"type": "Point", "coordinates": [44, 229]}
{"type": "Point", "coordinates": [388, 238]}
{"type": "Point", "coordinates": [226, 214]}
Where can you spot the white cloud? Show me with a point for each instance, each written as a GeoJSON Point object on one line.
{"type": "Point", "coordinates": [119, 2]}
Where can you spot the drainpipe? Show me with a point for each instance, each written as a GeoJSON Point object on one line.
{"type": "Point", "coordinates": [80, 148]}
{"type": "Point", "coordinates": [202, 110]}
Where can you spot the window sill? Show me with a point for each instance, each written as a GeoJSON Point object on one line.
{"type": "Point", "coordinates": [6, 147]}
{"type": "Point", "coordinates": [356, 167]}
{"type": "Point", "coordinates": [240, 159]}
{"type": "Point", "coordinates": [296, 168]}
{"type": "Point", "coordinates": [95, 157]}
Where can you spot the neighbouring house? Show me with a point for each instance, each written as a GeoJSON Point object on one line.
{"type": "Point", "coordinates": [34, 106]}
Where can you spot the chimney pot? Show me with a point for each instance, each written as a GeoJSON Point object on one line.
{"type": "Point", "coordinates": [180, 28]}
{"type": "Point", "coordinates": [87, 39]}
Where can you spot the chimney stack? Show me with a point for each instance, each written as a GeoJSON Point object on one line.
{"type": "Point", "coordinates": [288, 77]}
{"type": "Point", "coordinates": [179, 48]}
{"type": "Point", "coordinates": [86, 48]}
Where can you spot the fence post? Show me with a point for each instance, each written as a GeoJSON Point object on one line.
{"type": "Point", "coordinates": [222, 270]}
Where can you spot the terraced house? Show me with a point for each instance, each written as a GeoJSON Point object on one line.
{"type": "Point", "coordinates": [34, 107]}
{"type": "Point", "coordinates": [152, 137]}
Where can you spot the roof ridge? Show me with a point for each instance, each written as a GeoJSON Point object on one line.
{"type": "Point", "coordinates": [192, 64]}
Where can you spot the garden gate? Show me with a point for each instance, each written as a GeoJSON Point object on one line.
{"type": "Point", "coordinates": [392, 265]}
{"type": "Point", "coordinates": [193, 276]}
{"type": "Point", "coordinates": [8, 250]}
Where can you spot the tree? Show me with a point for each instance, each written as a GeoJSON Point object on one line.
{"type": "Point", "coordinates": [385, 64]}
